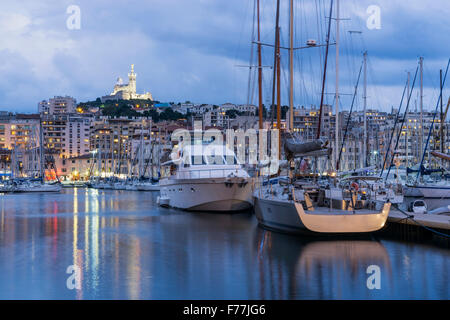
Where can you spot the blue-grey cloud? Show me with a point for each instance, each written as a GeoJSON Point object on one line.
{"type": "Point", "coordinates": [190, 49]}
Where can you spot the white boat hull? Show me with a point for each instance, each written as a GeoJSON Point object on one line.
{"type": "Point", "coordinates": [278, 215]}
{"type": "Point", "coordinates": [434, 196]}
{"type": "Point", "coordinates": [39, 188]}
{"type": "Point", "coordinates": [345, 222]}
{"type": "Point", "coordinates": [289, 216]}
{"type": "Point", "coordinates": [206, 194]}
{"type": "Point", "coordinates": [131, 187]}
{"type": "Point", "coordinates": [428, 192]}
{"type": "Point", "coordinates": [148, 187]}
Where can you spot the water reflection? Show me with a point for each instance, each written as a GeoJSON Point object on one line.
{"type": "Point", "coordinates": [128, 248]}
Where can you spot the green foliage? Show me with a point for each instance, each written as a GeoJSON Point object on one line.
{"type": "Point", "coordinates": [119, 111]}
{"type": "Point", "coordinates": [264, 112]}
{"type": "Point", "coordinates": [233, 113]}
{"type": "Point", "coordinates": [284, 110]}
{"type": "Point", "coordinates": [118, 103]}
{"type": "Point", "coordinates": [167, 114]}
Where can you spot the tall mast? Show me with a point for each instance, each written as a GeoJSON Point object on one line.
{"type": "Point", "coordinates": [405, 123]}
{"type": "Point", "coordinates": [291, 67]}
{"type": "Point", "coordinates": [441, 134]}
{"type": "Point", "coordinates": [259, 74]}
{"type": "Point", "coordinates": [41, 150]}
{"type": "Point", "coordinates": [337, 83]}
{"type": "Point", "coordinates": [278, 95]}
{"type": "Point", "coordinates": [275, 60]}
{"type": "Point", "coordinates": [365, 112]}
{"type": "Point", "coordinates": [324, 71]}
{"type": "Point", "coordinates": [141, 152]}
{"type": "Point", "coordinates": [278, 83]}
{"type": "Point", "coordinates": [421, 107]}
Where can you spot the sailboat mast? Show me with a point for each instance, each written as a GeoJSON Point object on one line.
{"type": "Point", "coordinates": [279, 95]}
{"type": "Point", "coordinates": [405, 123]}
{"type": "Point", "coordinates": [260, 97]}
{"type": "Point", "coordinates": [41, 150]}
{"type": "Point", "coordinates": [275, 60]}
{"type": "Point", "coordinates": [278, 83]}
{"type": "Point", "coordinates": [365, 112]}
{"type": "Point", "coordinates": [421, 106]}
{"type": "Point", "coordinates": [291, 67]}
{"type": "Point", "coordinates": [441, 134]}
{"type": "Point", "coordinates": [337, 82]}
{"type": "Point", "coordinates": [324, 71]}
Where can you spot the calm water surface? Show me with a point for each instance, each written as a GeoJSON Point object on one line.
{"type": "Point", "coordinates": [129, 248]}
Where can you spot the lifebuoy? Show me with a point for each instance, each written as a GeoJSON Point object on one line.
{"type": "Point", "coordinates": [355, 186]}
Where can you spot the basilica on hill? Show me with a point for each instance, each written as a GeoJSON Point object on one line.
{"type": "Point", "coordinates": [127, 91]}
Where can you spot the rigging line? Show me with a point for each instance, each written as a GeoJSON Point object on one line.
{"type": "Point", "coordinates": [373, 80]}
{"type": "Point", "coordinates": [275, 56]}
{"type": "Point", "coordinates": [324, 72]}
{"type": "Point", "coordinates": [318, 33]}
{"type": "Point", "coordinates": [403, 120]}
{"type": "Point", "coordinates": [300, 80]}
{"type": "Point", "coordinates": [238, 49]}
{"type": "Point", "coordinates": [349, 116]}
{"type": "Point", "coordinates": [251, 55]}
{"type": "Point", "coordinates": [323, 27]}
{"type": "Point", "coordinates": [432, 123]}
{"type": "Point", "coordinates": [411, 217]}
{"type": "Point", "coordinates": [285, 77]}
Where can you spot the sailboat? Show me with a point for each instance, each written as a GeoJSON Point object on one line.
{"type": "Point", "coordinates": [149, 184]}
{"type": "Point", "coordinates": [314, 204]}
{"type": "Point", "coordinates": [39, 184]}
{"type": "Point", "coordinates": [434, 194]}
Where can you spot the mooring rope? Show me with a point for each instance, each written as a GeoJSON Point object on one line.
{"type": "Point", "coordinates": [410, 216]}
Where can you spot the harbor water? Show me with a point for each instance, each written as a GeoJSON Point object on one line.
{"type": "Point", "coordinates": [124, 246]}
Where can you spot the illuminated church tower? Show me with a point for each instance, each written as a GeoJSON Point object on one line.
{"type": "Point", "coordinates": [127, 91]}
{"type": "Point", "coordinates": [132, 81]}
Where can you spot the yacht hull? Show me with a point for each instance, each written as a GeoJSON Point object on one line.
{"type": "Point", "coordinates": [39, 188]}
{"type": "Point", "coordinates": [148, 187]}
{"type": "Point", "coordinates": [434, 196]}
{"type": "Point", "coordinates": [278, 215]}
{"type": "Point", "coordinates": [323, 221]}
{"type": "Point", "coordinates": [430, 192]}
{"type": "Point", "coordinates": [290, 216]}
{"type": "Point", "coordinates": [216, 195]}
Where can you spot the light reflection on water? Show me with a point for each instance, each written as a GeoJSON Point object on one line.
{"type": "Point", "coordinates": [128, 248]}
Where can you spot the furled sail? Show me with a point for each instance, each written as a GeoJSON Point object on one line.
{"type": "Point", "coordinates": [296, 148]}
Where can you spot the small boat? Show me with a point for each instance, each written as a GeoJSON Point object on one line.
{"type": "Point", "coordinates": [163, 202]}
{"type": "Point", "coordinates": [73, 184]}
{"type": "Point", "coordinates": [418, 206]}
{"type": "Point", "coordinates": [148, 186]}
{"type": "Point", "coordinates": [119, 185]}
{"type": "Point", "coordinates": [37, 186]}
{"type": "Point", "coordinates": [428, 191]}
{"type": "Point", "coordinates": [441, 211]}
{"type": "Point", "coordinates": [131, 186]}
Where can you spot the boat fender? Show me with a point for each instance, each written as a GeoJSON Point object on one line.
{"type": "Point", "coordinates": [242, 184]}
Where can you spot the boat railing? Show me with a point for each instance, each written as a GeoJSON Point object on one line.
{"type": "Point", "coordinates": [207, 173]}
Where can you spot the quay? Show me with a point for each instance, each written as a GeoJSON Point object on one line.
{"type": "Point", "coordinates": [418, 226]}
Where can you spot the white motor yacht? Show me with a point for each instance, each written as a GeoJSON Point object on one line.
{"type": "Point", "coordinates": [206, 178]}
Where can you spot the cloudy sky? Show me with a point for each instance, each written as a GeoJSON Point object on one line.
{"type": "Point", "coordinates": [196, 49]}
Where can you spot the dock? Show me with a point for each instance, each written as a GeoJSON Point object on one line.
{"type": "Point", "coordinates": [441, 222]}
{"type": "Point", "coordinates": [417, 227]}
